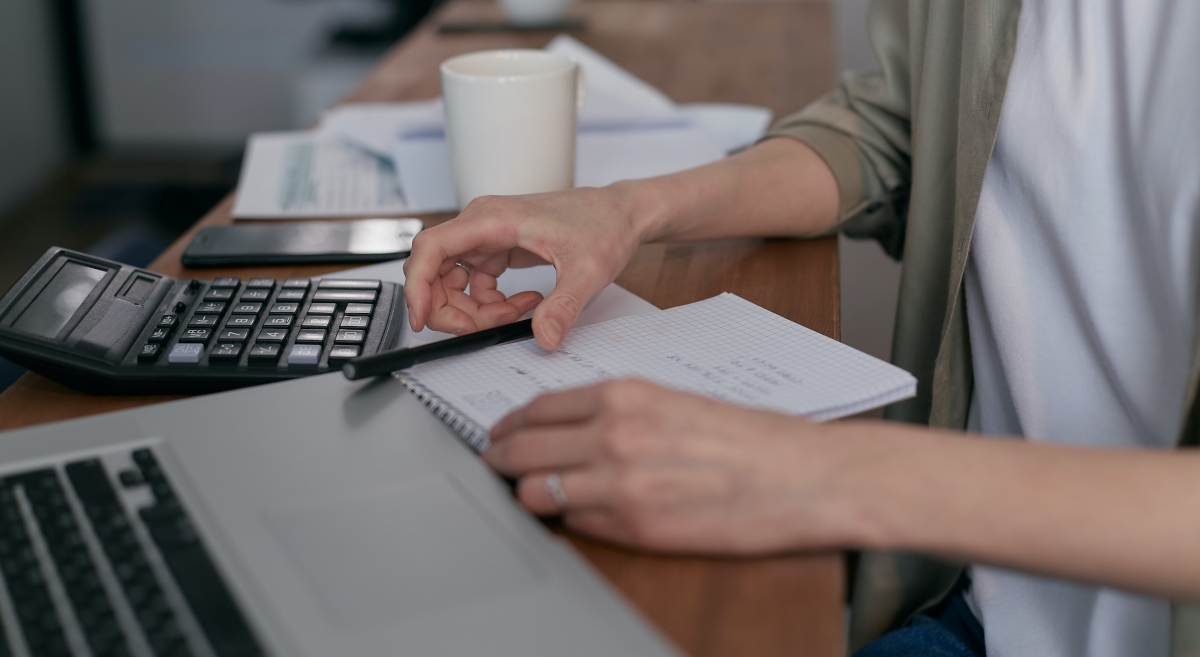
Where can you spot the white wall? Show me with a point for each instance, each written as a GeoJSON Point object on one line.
{"type": "Point", "coordinates": [33, 138]}
{"type": "Point", "coordinates": [870, 279]}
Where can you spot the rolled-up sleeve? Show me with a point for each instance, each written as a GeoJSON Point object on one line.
{"type": "Point", "coordinates": [863, 132]}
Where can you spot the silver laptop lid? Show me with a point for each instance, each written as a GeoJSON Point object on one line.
{"type": "Point", "coordinates": [342, 518]}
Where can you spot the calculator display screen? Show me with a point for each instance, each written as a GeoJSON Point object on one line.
{"type": "Point", "coordinates": [59, 300]}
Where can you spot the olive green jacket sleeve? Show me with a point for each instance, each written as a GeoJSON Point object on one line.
{"type": "Point", "coordinates": [863, 132]}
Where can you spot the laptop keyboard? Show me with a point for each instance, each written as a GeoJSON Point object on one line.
{"type": "Point", "coordinates": [81, 581]}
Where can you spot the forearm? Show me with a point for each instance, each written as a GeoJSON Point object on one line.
{"type": "Point", "coordinates": [780, 187]}
{"type": "Point", "coordinates": [1123, 518]}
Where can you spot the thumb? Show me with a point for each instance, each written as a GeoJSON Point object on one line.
{"type": "Point", "coordinates": [558, 312]}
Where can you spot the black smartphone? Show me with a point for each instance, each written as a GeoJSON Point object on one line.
{"type": "Point", "coordinates": [263, 243]}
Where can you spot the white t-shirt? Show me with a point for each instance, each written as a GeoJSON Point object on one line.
{"type": "Point", "coordinates": [1081, 282]}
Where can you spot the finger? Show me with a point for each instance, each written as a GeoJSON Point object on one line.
{"type": "Point", "coordinates": [434, 246]}
{"type": "Point", "coordinates": [583, 489]}
{"type": "Point", "coordinates": [542, 448]}
{"type": "Point", "coordinates": [483, 288]}
{"type": "Point", "coordinates": [574, 288]}
{"type": "Point", "coordinates": [451, 319]}
{"type": "Point", "coordinates": [597, 522]}
{"type": "Point", "coordinates": [525, 301]}
{"type": "Point", "coordinates": [572, 405]}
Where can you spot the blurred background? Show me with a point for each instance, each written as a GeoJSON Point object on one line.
{"type": "Point", "coordinates": [122, 122]}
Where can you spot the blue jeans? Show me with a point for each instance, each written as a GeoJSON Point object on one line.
{"type": "Point", "coordinates": [948, 630]}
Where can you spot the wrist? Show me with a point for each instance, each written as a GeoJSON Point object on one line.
{"type": "Point", "coordinates": [878, 483]}
{"type": "Point", "coordinates": [646, 206]}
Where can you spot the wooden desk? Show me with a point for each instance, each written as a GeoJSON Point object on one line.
{"type": "Point", "coordinates": [772, 54]}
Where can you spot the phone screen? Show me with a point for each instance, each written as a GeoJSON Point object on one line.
{"type": "Point", "coordinates": [306, 241]}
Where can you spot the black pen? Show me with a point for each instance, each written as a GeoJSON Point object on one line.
{"type": "Point", "coordinates": [398, 359]}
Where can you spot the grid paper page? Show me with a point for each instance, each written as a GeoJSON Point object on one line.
{"type": "Point", "coordinates": [724, 347]}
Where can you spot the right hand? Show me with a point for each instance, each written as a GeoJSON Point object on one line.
{"type": "Point", "coordinates": [588, 234]}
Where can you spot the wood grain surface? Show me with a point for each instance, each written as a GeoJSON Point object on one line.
{"type": "Point", "coordinates": [774, 54]}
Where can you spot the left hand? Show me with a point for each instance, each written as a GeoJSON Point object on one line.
{"type": "Point", "coordinates": [658, 469]}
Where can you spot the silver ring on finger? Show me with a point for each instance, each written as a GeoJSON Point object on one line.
{"type": "Point", "coordinates": [466, 267]}
{"type": "Point", "coordinates": [555, 489]}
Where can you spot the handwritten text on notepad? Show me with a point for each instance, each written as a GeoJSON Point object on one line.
{"type": "Point", "coordinates": [725, 348]}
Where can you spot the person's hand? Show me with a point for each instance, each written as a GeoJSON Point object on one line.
{"type": "Point", "coordinates": [658, 469]}
{"type": "Point", "coordinates": [586, 233]}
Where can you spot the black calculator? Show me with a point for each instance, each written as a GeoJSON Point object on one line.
{"type": "Point", "coordinates": [103, 327]}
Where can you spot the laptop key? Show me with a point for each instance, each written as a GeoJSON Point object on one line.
{"type": "Point", "coordinates": [74, 564]}
{"type": "Point", "coordinates": [27, 588]}
{"type": "Point", "coordinates": [194, 571]}
{"type": "Point", "coordinates": [112, 527]}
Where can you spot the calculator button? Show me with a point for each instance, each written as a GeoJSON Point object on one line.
{"type": "Point", "coordinates": [301, 283]}
{"type": "Point", "coordinates": [195, 335]}
{"type": "Point", "coordinates": [344, 295]}
{"type": "Point", "coordinates": [261, 282]}
{"type": "Point", "coordinates": [185, 354]}
{"type": "Point", "coordinates": [168, 321]}
{"type": "Point", "coordinates": [149, 353]}
{"type": "Point", "coordinates": [291, 295]}
{"type": "Point", "coordinates": [179, 307]}
{"type": "Point", "coordinates": [226, 281]}
{"type": "Point", "coordinates": [225, 351]}
{"type": "Point", "coordinates": [159, 334]}
{"type": "Point", "coordinates": [345, 335]}
{"type": "Point", "coordinates": [219, 294]}
{"type": "Point", "coordinates": [264, 354]}
{"type": "Point", "coordinates": [316, 321]}
{"type": "Point", "coordinates": [256, 295]}
{"type": "Point", "coordinates": [322, 308]}
{"type": "Point", "coordinates": [278, 320]}
{"type": "Point", "coordinates": [272, 335]}
{"type": "Point", "coordinates": [285, 308]}
{"type": "Point", "coordinates": [343, 352]}
{"type": "Point", "coordinates": [204, 320]}
{"type": "Point", "coordinates": [234, 334]}
{"type": "Point", "coordinates": [355, 321]}
{"type": "Point", "coordinates": [347, 284]}
{"type": "Point", "coordinates": [217, 307]}
{"type": "Point", "coordinates": [359, 308]}
{"type": "Point", "coordinates": [304, 354]}
{"type": "Point", "coordinates": [311, 335]}
{"type": "Point", "coordinates": [243, 321]}
{"type": "Point", "coordinates": [252, 308]}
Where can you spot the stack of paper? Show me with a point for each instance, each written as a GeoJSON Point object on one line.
{"type": "Point", "coordinates": [392, 158]}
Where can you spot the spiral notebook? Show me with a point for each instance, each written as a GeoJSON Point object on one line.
{"type": "Point", "coordinates": [725, 348]}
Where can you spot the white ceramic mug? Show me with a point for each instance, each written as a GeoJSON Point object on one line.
{"type": "Point", "coordinates": [510, 122]}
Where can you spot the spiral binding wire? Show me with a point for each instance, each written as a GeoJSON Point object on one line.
{"type": "Point", "coordinates": [475, 435]}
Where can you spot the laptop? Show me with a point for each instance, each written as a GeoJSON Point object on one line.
{"type": "Point", "coordinates": [313, 517]}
